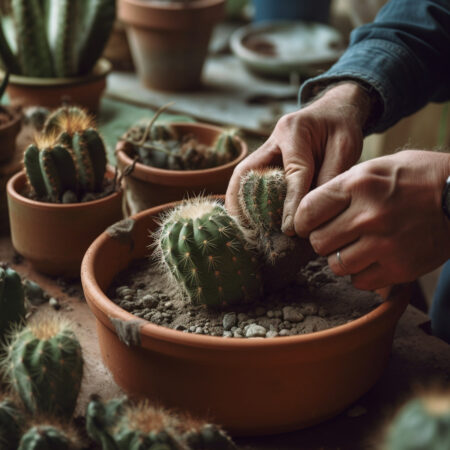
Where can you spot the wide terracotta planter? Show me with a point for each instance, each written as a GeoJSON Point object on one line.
{"type": "Point", "coordinates": [150, 186]}
{"type": "Point", "coordinates": [250, 386]}
{"type": "Point", "coordinates": [85, 91]}
{"type": "Point", "coordinates": [54, 237]}
{"type": "Point", "coordinates": [169, 40]}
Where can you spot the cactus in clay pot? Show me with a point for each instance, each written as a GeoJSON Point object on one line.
{"type": "Point", "coordinates": [204, 251]}
{"type": "Point", "coordinates": [11, 423]}
{"type": "Point", "coordinates": [422, 424]}
{"type": "Point", "coordinates": [12, 300]}
{"type": "Point", "coordinates": [68, 157]}
{"type": "Point", "coordinates": [159, 145]}
{"type": "Point", "coordinates": [49, 435]}
{"type": "Point", "coordinates": [44, 366]}
{"type": "Point", "coordinates": [56, 38]}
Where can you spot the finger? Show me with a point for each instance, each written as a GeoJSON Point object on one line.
{"type": "Point", "coordinates": [341, 153]}
{"type": "Point", "coordinates": [354, 258]}
{"type": "Point", "coordinates": [299, 172]}
{"type": "Point", "coordinates": [336, 233]}
{"type": "Point", "coordinates": [321, 205]}
{"type": "Point", "coordinates": [266, 155]}
{"type": "Point", "coordinates": [371, 278]}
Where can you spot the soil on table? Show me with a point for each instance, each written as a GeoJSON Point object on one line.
{"type": "Point", "coordinates": [316, 301]}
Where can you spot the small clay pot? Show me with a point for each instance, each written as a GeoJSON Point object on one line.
{"type": "Point", "coordinates": [150, 186]}
{"type": "Point", "coordinates": [250, 386]}
{"type": "Point", "coordinates": [169, 40]}
{"type": "Point", "coordinates": [84, 91]}
{"type": "Point", "coordinates": [55, 236]}
{"type": "Point", "coordinates": [8, 135]}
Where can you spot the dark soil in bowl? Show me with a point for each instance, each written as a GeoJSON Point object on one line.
{"type": "Point", "coordinates": [316, 301]}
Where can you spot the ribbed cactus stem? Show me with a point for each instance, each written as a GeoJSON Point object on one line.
{"type": "Point", "coordinates": [44, 366]}
{"type": "Point", "coordinates": [205, 252]}
{"type": "Point", "coordinates": [12, 300]}
{"type": "Point", "coordinates": [33, 49]}
{"type": "Point", "coordinates": [198, 435]}
{"type": "Point", "coordinates": [226, 147]}
{"type": "Point", "coordinates": [48, 437]}
{"type": "Point", "coordinates": [11, 423]}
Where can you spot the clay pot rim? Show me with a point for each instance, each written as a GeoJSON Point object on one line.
{"type": "Point", "coordinates": [19, 198]}
{"type": "Point", "coordinates": [109, 309]}
{"type": "Point", "coordinates": [141, 170]}
{"type": "Point", "coordinates": [101, 69]}
{"type": "Point", "coordinates": [16, 118]}
{"type": "Point", "coordinates": [176, 6]}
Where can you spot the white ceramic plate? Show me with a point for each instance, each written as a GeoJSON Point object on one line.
{"type": "Point", "coordinates": [283, 48]}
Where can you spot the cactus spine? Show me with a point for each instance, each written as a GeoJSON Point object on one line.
{"type": "Point", "coordinates": [203, 249]}
{"type": "Point", "coordinates": [48, 436]}
{"type": "Point", "coordinates": [12, 300]}
{"type": "Point", "coordinates": [422, 424]}
{"type": "Point", "coordinates": [44, 366]}
{"type": "Point", "coordinates": [69, 156]}
{"type": "Point", "coordinates": [11, 421]}
{"type": "Point", "coordinates": [61, 38]}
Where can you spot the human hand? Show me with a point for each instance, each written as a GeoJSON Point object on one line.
{"type": "Point", "coordinates": [313, 144]}
{"type": "Point", "coordinates": [384, 216]}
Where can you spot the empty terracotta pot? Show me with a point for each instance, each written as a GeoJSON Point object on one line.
{"type": "Point", "coordinates": [54, 236]}
{"type": "Point", "coordinates": [250, 386]}
{"type": "Point", "coordinates": [150, 186]}
{"type": "Point", "coordinates": [169, 40]}
{"type": "Point", "coordinates": [85, 91]}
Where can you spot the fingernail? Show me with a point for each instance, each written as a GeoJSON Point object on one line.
{"type": "Point", "coordinates": [288, 225]}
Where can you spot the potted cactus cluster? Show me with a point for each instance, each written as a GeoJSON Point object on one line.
{"type": "Point", "coordinates": [65, 196]}
{"type": "Point", "coordinates": [217, 268]}
{"type": "Point", "coordinates": [52, 50]}
{"type": "Point", "coordinates": [41, 373]}
{"type": "Point", "coordinates": [172, 160]}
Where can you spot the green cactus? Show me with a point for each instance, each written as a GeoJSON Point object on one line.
{"type": "Point", "coordinates": [203, 249]}
{"type": "Point", "coordinates": [68, 156]}
{"type": "Point", "coordinates": [422, 424]}
{"type": "Point", "coordinates": [12, 300]}
{"type": "Point", "coordinates": [44, 366]}
{"type": "Point", "coordinates": [226, 147]}
{"type": "Point", "coordinates": [11, 423]}
{"type": "Point", "coordinates": [62, 38]}
{"type": "Point", "coordinates": [198, 435]}
{"type": "Point", "coordinates": [49, 437]}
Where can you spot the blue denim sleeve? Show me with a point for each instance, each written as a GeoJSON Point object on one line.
{"type": "Point", "coordinates": [404, 55]}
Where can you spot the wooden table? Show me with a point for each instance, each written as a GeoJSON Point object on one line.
{"type": "Point", "coordinates": [418, 359]}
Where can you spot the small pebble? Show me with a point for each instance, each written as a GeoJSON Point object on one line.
{"type": "Point", "coordinates": [309, 309]}
{"type": "Point", "coordinates": [128, 298]}
{"type": "Point", "coordinates": [292, 314]}
{"type": "Point", "coordinates": [255, 331]}
{"type": "Point", "coordinates": [180, 327]}
{"type": "Point", "coordinates": [229, 320]}
{"type": "Point", "coordinates": [199, 330]}
{"type": "Point", "coordinates": [271, 333]}
{"type": "Point", "coordinates": [149, 301]}
{"type": "Point", "coordinates": [53, 302]}
{"type": "Point", "coordinates": [284, 332]}
{"type": "Point", "coordinates": [242, 316]}
{"type": "Point", "coordinates": [278, 313]}
{"type": "Point", "coordinates": [192, 328]}
{"type": "Point", "coordinates": [168, 305]}
{"type": "Point", "coordinates": [270, 314]}
{"type": "Point", "coordinates": [227, 334]}
{"type": "Point", "coordinates": [237, 335]}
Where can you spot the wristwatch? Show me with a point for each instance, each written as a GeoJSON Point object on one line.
{"type": "Point", "coordinates": [446, 198]}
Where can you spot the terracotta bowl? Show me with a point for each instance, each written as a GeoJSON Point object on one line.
{"type": "Point", "coordinates": [54, 236]}
{"type": "Point", "coordinates": [250, 386]}
{"type": "Point", "coordinates": [84, 91]}
{"type": "Point", "coordinates": [150, 186]}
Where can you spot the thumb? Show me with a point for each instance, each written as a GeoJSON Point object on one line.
{"type": "Point", "coordinates": [299, 172]}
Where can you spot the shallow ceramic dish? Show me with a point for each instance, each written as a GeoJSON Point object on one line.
{"type": "Point", "coordinates": [280, 48]}
{"type": "Point", "coordinates": [250, 386]}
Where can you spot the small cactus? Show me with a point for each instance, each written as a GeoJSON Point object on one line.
{"type": "Point", "coordinates": [69, 156]}
{"type": "Point", "coordinates": [48, 435]}
{"type": "Point", "coordinates": [44, 366]}
{"type": "Point", "coordinates": [12, 300]}
{"type": "Point", "coordinates": [11, 423]}
{"type": "Point", "coordinates": [226, 147]}
{"type": "Point", "coordinates": [422, 424]}
{"type": "Point", "coordinates": [203, 249]}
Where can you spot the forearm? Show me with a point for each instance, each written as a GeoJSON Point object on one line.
{"type": "Point", "coordinates": [404, 55]}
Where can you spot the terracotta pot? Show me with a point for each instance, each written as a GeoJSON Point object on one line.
{"type": "Point", "coordinates": [169, 41]}
{"type": "Point", "coordinates": [305, 379]}
{"type": "Point", "coordinates": [150, 186]}
{"type": "Point", "coordinates": [54, 237]}
{"type": "Point", "coordinates": [8, 135]}
{"type": "Point", "coordinates": [84, 91]}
